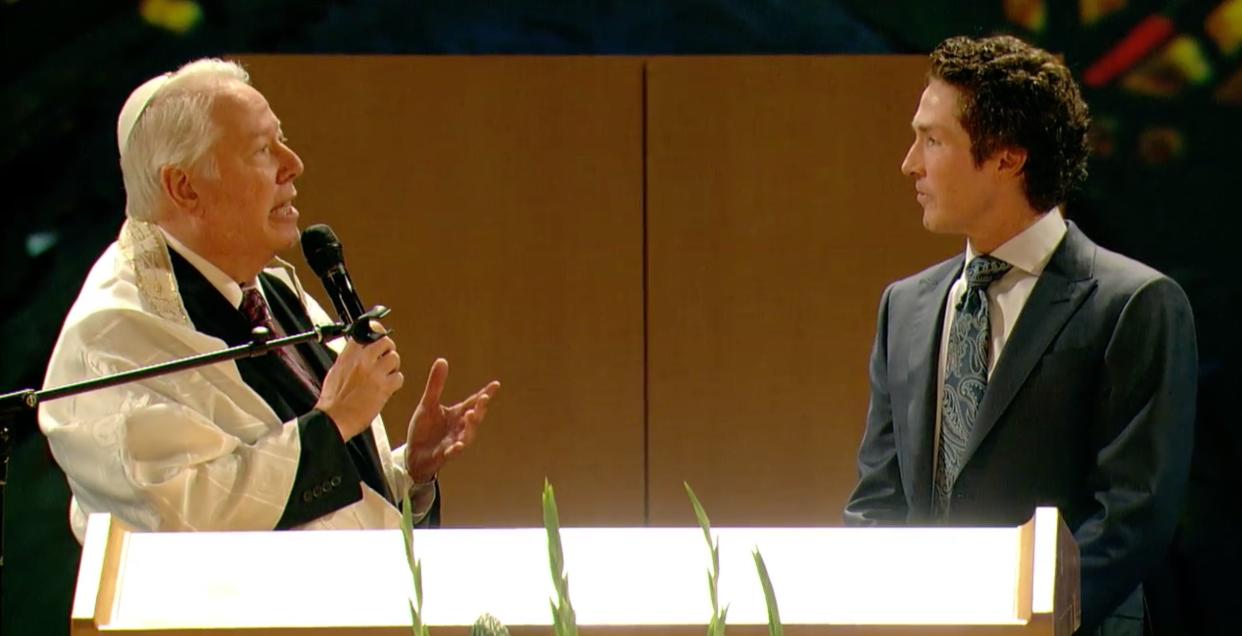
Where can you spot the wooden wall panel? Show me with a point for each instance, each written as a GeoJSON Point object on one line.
{"type": "Point", "coordinates": [495, 204]}
{"type": "Point", "coordinates": [776, 215]}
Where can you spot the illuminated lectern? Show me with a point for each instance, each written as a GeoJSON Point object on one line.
{"type": "Point", "coordinates": [873, 581]}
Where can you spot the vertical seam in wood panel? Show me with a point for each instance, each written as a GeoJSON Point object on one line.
{"type": "Point", "coordinates": [646, 330]}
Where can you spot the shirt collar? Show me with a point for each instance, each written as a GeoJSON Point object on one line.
{"type": "Point", "coordinates": [1032, 248]}
{"type": "Point", "coordinates": [230, 288]}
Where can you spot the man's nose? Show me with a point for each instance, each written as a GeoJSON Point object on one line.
{"type": "Point", "coordinates": [292, 165]}
{"type": "Point", "coordinates": [912, 164]}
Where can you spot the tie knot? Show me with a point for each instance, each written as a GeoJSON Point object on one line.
{"type": "Point", "coordinates": [255, 308]}
{"type": "Point", "coordinates": [984, 271]}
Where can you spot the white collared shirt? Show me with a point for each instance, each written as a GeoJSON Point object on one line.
{"type": "Point", "coordinates": [231, 289]}
{"type": "Point", "coordinates": [1028, 252]}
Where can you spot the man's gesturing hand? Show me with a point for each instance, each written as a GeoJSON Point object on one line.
{"type": "Point", "coordinates": [437, 432]}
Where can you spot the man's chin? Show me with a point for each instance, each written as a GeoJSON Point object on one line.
{"type": "Point", "coordinates": [932, 222]}
{"type": "Point", "coordinates": [292, 243]}
{"type": "Point", "coordinates": [286, 237]}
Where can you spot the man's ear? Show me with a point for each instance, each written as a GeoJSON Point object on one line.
{"type": "Point", "coordinates": [1012, 161]}
{"type": "Point", "coordinates": [178, 186]}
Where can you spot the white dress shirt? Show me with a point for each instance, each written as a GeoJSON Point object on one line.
{"type": "Point", "coordinates": [1028, 253]}
{"type": "Point", "coordinates": [231, 289]}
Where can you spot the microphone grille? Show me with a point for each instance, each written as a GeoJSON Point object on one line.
{"type": "Point", "coordinates": [321, 249]}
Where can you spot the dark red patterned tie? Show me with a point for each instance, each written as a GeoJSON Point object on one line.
{"type": "Point", "coordinates": [255, 308]}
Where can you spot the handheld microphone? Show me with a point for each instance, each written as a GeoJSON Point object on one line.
{"type": "Point", "coordinates": [326, 257]}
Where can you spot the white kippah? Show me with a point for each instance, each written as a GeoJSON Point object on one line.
{"type": "Point", "coordinates": [134, 107]}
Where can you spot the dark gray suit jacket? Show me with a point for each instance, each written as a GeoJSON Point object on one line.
{"type": "Point", "coordinates": [1090, 408]}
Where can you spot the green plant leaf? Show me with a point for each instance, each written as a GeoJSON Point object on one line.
{"type": "Point", "coordinates": [417, 628]}
{"type": "Point", "coordinates": [552, 524]}
{"type": "Point", "coordinates": [700, 514]}
{"type": "Point", "coordinates": [418, 583]}
{"type": "Point", "coordinates": [769, 596]}
{"type": "Point", "coordinates": [563, 617]}
{"type": "Point", "coordinates": [716, 626]}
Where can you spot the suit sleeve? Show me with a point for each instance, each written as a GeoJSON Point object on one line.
{"type": "Point", "coordinates": [1145, 434]}
{"type": "Point", "coordinates": [425, 498]}
{"type": "Point", "coordinates": [879, 498]}
{"type": "Point", "coordinates": [326, 478]}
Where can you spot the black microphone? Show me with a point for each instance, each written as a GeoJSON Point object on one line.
{"type": "Point", "coordinates": [326, 257]}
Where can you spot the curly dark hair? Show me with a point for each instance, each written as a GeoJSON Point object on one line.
{"type": "Point", "coordinates": [1017, 95]}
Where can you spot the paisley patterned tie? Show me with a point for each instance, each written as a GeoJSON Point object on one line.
{"type": "Point", "coordinates": [965, 375]}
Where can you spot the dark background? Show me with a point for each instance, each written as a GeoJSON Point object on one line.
{"type": "Point", "coordinates": [1166, 149]}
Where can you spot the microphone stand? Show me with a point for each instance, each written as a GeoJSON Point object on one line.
{"type": "Point", "coordinates": [26, 402]}
{"type": "Point", "coordinates": [17, 402]}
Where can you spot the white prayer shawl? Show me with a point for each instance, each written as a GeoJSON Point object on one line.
{"type": "Point", "coordinates": [195, 450]}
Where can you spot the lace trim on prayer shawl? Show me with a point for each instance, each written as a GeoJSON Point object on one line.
{"type": "Point", "coordinates": [143, 246]}
{"type": "Point", "coordinates": [145, 249]}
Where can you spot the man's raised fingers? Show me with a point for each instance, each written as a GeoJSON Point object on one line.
{"type": "Point", "coordinates": [435, 384]}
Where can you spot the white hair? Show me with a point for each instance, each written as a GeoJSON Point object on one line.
{"type": "Point", "coordinates": [174, 129]}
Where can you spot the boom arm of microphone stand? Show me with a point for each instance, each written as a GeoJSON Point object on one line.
{"type": "Point", "coordinates": [14, 405]}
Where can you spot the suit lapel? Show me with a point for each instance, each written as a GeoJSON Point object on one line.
{"type": "Point", "coordinates": [267, 375]}
{"type": "Point", "coordinates": [1060, 290]}
{"type": "Point", "coordinates": [211, 313]}
{"type": "Point", "coordinates": [288, 309]}
{"type": "Point", "coordinates": [922, 341]}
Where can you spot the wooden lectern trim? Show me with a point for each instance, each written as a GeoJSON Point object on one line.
{"type": "Point", "coordinates": [102, 552]}
{"type": "Point", "coordinates": [1026, 570]}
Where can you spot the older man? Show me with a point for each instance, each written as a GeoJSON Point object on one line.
{"type": "Point", "coordinates": [289, 440]}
